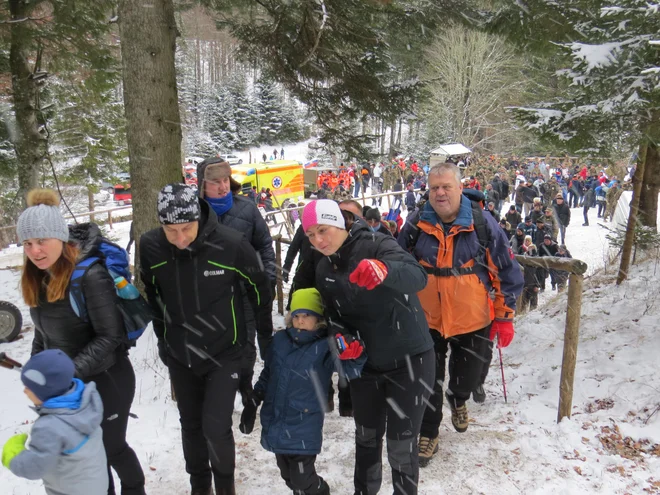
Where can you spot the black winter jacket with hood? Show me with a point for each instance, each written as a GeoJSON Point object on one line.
{"type": "Point", "coordinates": [92, 345]}
{"type": "Point", "coordinates": [389, 318]}
{"type": "Point", "coordinates": [244, 216]}
{"type": "Point", "coordinates": [196, 292]}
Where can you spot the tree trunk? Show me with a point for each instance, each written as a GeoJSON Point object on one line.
{"type": "Point", "coordinates": [629, 239]}
{"type": "Point", "coordinates": [648, 200]}
{"type": "Point", "coordinates": [150, 103]}
{"type": "Point", "coordinates": [392, 152]}
{"type": "Point", "coordinates": [29, 144]}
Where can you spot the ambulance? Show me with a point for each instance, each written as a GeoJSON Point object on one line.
{"type": "Point", "coordinates": [283, 177]}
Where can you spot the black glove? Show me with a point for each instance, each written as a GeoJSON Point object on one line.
{"type": "Point", "coordinates": [162, 352]}
{"type": "Point", "coordinates": [285, 274]}
{"type": "Point", "coordinates": [249, 414]}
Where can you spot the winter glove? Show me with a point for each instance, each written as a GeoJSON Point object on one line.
{"type": "Point", "coordinates": [162, 352]}
{"type": "Point", "coordinates": [369, 274]}
{"type": "Point", "coordinates": [14, 446]}
{"type": "Point", "coordinates": [504, 331]}
{"type": "Point", "coordinates": [249, 414]}
{"type": "Point", "coordinates": [285, 274]}
{"type": "Point", "coordinates": [349, 347]}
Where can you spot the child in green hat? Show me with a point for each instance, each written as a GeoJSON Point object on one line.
{"type": "Point", "coordinates": [293, 387]}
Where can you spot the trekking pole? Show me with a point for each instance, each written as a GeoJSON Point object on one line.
{"type": "Point", "coordinates": [10, 364]}
{"type": "Point", "coordinates": [502, 370]}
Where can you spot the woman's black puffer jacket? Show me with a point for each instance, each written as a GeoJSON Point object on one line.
{"type": "Point", "coordinates": [92, 345]}
{"type": "Point", "coordinates": [389, 319]}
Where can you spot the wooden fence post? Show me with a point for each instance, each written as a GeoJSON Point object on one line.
{"type": "Point", "coordinates": [278, 271]}
{"type": "Point", "coordinates": [571, 337]}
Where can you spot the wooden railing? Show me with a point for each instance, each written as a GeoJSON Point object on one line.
{"type": "Point", "coordinates": [8, 234]}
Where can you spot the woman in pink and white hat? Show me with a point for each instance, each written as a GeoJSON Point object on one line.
{"type": "Point", "coordinates": [369, 286]}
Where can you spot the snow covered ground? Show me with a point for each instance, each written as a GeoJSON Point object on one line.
{"type": "Point", "coordinates": [611, 444]}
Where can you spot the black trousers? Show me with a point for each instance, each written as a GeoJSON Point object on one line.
{"type": "Point", "coordinates": [116, 386]}
{"type": "Point", "coordinates": [585, 211]}
{"type": "Point", "coordinates": [529, 297]}
{"type": "Point", "coordinates": [601, 208]}
{"type": "Point", "coordinates": [206, 403]}
{"type": "Point", "coordinates": [299, 473]}
{"type": "Point", "coordinates": [466, 363]}
{"type": "Point", "coordinates": [392, 403]}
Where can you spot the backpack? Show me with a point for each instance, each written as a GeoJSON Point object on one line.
{"type": "Point", "coordinates": [476, 198]}
{"type": "Point", "coordinates": [136, 313]}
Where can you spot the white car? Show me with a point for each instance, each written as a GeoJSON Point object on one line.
{"type": "Point", "coordinates": [232, 159]}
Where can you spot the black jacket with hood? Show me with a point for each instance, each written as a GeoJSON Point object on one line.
{"type": "Point", "coordinates": [389, 318]}
{"type": "Point", "coordinates": [244, 216]}
{"type": "Point", "coordinates": [196, 292]}
{"type": "Point", "coordinates": [92, 345]}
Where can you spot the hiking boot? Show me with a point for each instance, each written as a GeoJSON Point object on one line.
{"type": "Point", "coordinates": [585, 225]}
{"type": "Point", "coordinates": [427, 449]}
{"type": "Point", "coordinates": [202, 491]}
{"type": "Point", "coordinates": [479, 394]}
{"type": "Point", "coordinates": [459, 415]}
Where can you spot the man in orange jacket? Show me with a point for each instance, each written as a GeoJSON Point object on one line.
{"type": "Point", "coordinates": [470, 296]}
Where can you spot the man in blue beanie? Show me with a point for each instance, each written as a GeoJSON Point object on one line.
{"type": "Point", "coordinates": [66, 443]}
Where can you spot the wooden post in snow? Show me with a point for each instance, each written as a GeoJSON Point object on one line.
{"type": "Point", "coordinates": [571, 337]}
{"type": "Point", "coordinates": [577, 269]}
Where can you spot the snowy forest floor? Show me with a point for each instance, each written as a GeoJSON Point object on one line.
{"type": "Point", "coordinates": [610, 445]}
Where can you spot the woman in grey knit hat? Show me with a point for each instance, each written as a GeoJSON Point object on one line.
{"type": "Point", "coordinates": [96, 344]}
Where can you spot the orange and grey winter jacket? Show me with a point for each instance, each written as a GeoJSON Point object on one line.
{"type": "Point", "coordinates": [462, 275]}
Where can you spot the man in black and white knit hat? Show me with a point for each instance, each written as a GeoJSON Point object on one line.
{"type": "Point", "coordinates": [193, 268]}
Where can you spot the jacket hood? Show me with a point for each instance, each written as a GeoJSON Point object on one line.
{"type": "Point", "coordinates": [87, 236]}
{"type": "Point", "coordinates": [81, 408]}
{"type": "Point", "coordinates": [463, 219]}
{"type": "Point", "coordinates": [305, 336]}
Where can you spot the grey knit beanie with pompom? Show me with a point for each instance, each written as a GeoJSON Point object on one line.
{"type": "Point", "coordinates": [42, 219]}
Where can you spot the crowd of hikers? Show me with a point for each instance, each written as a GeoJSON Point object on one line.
{"type": "Point", "coordinates": [405, 313]}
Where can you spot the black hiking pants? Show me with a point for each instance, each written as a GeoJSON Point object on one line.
{"type": "Point", "coordinates": [206, 403]}
{"type": "Point", "coordinates": [390, 403]}
{"type": "Point", "coordinates": [299, 473]}
{"type": "Point", "coordinates": [469, 356]}
{"type": "Point", "coordinates": [116, 386]}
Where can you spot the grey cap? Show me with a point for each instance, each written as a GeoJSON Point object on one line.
{"type": "Point", "coordinates": [42, 222]}
{"type": "Point", "coordinates": [178, 203]}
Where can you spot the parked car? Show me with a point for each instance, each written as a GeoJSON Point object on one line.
{"type": "Point", "coordinates": [232, 159]}
{"type": "Point", "coordinates": [122, 177]}
{"type": "Point", "coordinates": [122, 194]}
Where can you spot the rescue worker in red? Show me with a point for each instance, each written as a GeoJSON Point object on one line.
{"type": "Point", "coordinates": [470, 296]}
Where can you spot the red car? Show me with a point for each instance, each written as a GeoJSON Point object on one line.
{"type": "Point", "coordinates": [122, 194]}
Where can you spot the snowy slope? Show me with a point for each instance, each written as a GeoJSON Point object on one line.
{"type": "Point", "coordinates": [509, 448]}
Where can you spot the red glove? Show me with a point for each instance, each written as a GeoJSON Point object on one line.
{"type": "Point", "coordinates": [504, 331]}
{"type": "Point", "coordinates": [369, 274]}
{"type": "Point", "coordinates": [349, 347]}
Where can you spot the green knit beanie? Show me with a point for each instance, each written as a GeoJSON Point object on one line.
{"type": "Point", "coordinates": [307, 301]}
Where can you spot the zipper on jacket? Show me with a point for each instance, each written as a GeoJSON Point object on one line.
{"type": "Point", "coordinates": [195, 284]}
{"type": "Point", "coordinates": [233, 315]}
{"type": "Point", "coordinates": [178, 293]}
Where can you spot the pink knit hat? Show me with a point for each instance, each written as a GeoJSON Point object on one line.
{"type": "Point", "coordinates": [324, 212]}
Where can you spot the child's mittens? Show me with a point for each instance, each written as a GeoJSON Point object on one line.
{"type": "Point", "coordinates": [349, 347]}
{"type": "Point", "coordinates": [249, 414]}
{"type": "Point", "coordinates": [14, 446]}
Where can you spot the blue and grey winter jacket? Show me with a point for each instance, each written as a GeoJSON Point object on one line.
{"type": "Point", "coordinates": [295, 382]}
{"type": "Point", "coordinates": [66, 445]}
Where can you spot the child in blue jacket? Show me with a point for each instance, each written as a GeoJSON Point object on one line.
{"type": "Point", "coordinates": [66, 442]}
{"type": "Point", "coordinates": [294, 389]}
